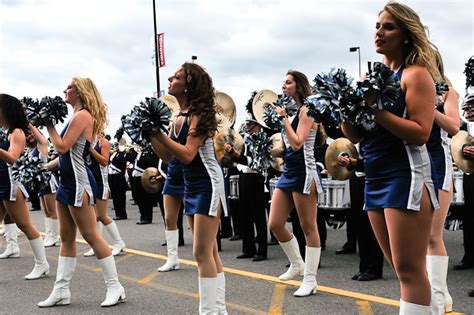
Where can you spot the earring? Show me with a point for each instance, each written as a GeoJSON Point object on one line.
{"type": "Point", "coordinates": [406, 41]}
{"type": "Point", "coordinates": [185, 90]}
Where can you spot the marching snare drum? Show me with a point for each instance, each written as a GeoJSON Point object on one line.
{"type": "Point", "coordinates": [334, 201]}
{"type": "Point", "coordinates": [272, 183]}
{"type": "Point", "coordinates": [335, 195]}
{"type": "Point", "coordinates": [458, 194]}
{"type": "Point", "coordinates": [234, 187]}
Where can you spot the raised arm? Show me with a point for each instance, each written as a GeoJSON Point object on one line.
{"type": "Point", "coordinates": [77, 125]}
{"type": "Point", "coordinates": [297, 139]}
{"type": "Point", "coordinates": [420, 99]}
{"type": "Point", "coordinates": [103, 157]}
{"type": "Point", "coordinates": [42, 142]}
{"type": "Point", "coordinates": [184, 153]}
{"type": "Point", "coordinates": [449, 121]}
{"type": "Point", "coordinates": [17, 145]}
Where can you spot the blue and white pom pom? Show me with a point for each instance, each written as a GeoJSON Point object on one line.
{"type": "Point", "coordinates": [382, 82]}
{"type": "Point", "coordinates": [31, 172]}
{"type": "Point", "coordinates": [52, 109]}
{"type": "Point", "coordinates": [119, 133]}
{"type": "Point", "coordinates": [331, 91]}
{"type": "Point", "coordinates": [270, 116]}
{"type": "Point", "coordinates": [150, 117]}
{"type": "Point", "coordinates": [272, 119]}
{"type": "Point", "coordinates": [3, 135]}
{"type": "Point", "coordinates": [260, 146]}
{"type": "Point", "coordinates": [469, 72]}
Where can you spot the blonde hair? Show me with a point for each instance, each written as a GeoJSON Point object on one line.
{"type": "Point", "coordinates": [420, 50]}
{"type": "Point", "coordinates": [92, 101]}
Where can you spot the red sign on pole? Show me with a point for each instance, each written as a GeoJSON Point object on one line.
{"type": "Point", "coordinates": [161, 49]}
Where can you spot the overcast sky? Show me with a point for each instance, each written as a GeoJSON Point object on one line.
{"type": "Point", "coordinates": [245, 45]}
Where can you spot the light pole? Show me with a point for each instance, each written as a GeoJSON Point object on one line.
{"type": "Point", "coordinates": [157, 53]}
{"type": "Point", "coordinates": [352, 49]}
{"type": "Point", "coordinates": [193, 58]}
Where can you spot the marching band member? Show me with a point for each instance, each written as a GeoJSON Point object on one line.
{"type": "Point", "coordinates": [446, 122]}
{"type": "Point", "coordinates": [75, 196]}
{"type": "Point", "coordinates": [12, 193]}
{"type": "Point", "coordinates": [118, 183]}
{"type": "Point", "coordinates": [47, 196]}
{"type": "Point", "coordinates": [399, 192]}
{"type": "Point", "coordinates": [298, 186]}
{"type": "Point", "coordinates": [100, 154]}
{"type": "Point", "coordinates": [252, 200]}
{"type": "Point", "coordinates": [204, 195]}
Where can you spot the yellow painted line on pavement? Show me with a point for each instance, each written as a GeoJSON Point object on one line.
{"type": "Point", "coordinates": [364, 307]}
{"type": "Point", "coordinates": [278, 297]}
{"type": "Point", "coordinates": [149, 278]}
{"type": "Point", "coordinates": [258, 276]}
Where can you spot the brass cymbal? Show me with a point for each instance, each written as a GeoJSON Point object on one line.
{"type": "Point", "coordinates": [461, 139]}
{"type": "Point", "coordinates": [277, 162]}
{"type": "Point", "coordinates": [340, 146]}
{"type": "Point", "coordinates": [152, 180]}
{"type": "Point", "coordinates": [226, 105]}
{"type": "Point", "coordinates": [261, 100]}
{"type": "Point", "coordinates": [171, 101]}
{"type": "Point", "coordinates": [231, 137]}
{"type": "Point", "coordinates": [223, 124]}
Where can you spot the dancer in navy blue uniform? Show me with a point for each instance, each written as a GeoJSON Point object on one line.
{"type": "Point", "coordinates": [100, 154]}
{"type": "Point", "coordinates": [399, 191]}
{"type": "Point", "coordinates": [446, 122]}
{"type": "Point", "coordinates": [47, 196]}
{"type": "Point", "coordinates": [298, 187]}
{"type": "Point", "coordinates": [204, 195]}
{"type": "Point", "coordinates": [12, 193]}
{"type": "Point", "coordinates": [75, 196]}
{"type": "Point", "coordinates": [173, 190]}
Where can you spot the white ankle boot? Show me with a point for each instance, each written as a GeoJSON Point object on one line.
{"type": "Point", "coordinates": [207, 296]}
{"type": "Point", "coordinates": [61, 294]}
{"type": "Point", "coordinates": [90, 252]}
{"type": "Point", "coordinates": [437, 268]}
{"type": "Point", "coordinates": [51, 237]}
{"type": "Point", "coordinates": [407, 308]}
{"type": "Point", "coordinates": [115, 291]}
{"type": "Point", "coordinates": [11, 235]}
{"type": "Point", "coordinates": [172, 262]}
{"type": "Point", "coordinates": [309, 286]}
{"type": "Point", "coordinates": [292, 251]}
{"type": "Point", "coordinates": [119, 245]}
{"type": "Point", "coordinates": [220, 301]}
{"type": "Point", "coordinates": [41, 264]}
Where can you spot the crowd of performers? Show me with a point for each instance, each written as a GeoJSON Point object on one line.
{"type": "Point", "coordinates": [400, 193]}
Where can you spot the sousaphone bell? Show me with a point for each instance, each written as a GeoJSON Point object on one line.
{"type": "Point", "coordinates": [459, 141]}
{"type": "Point", "coordinates": [152, 181]}
{"type": "Point", "coordinates": [340, 147]}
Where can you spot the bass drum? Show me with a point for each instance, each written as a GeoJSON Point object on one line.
{"type": "Point", "coordinates": [335, 202]}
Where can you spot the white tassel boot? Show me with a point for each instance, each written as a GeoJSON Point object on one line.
{"type": "Point", "coordinates": [309, 286]}
{"type": "Point", "coordinates": [292, 251]}
{"type": "Point", "coordinates": [207, 296]}
{"type": "Point", "coordinates": [11, 235]}
{"type": "Point", "coordinates": [61, 294]}
{"type": "Point", "coordinates": [41, 264]}
{"type": "Point", "coordinates": [437, 268]}
{"type": "Point", "coordinates": [90, 252]}
{"type": "Point", "coordinates": [115, 291]}
{"type": "Point", "coordinates": [172, 262]}
{"type": "Point", "coordinates": [407, 308]}
{"type": "Point", "coordinates": [220, 301]}
{"type": "Point", "coordinates": [119, 245]}
{"type": "Point", "coordinates": [52, 238]}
